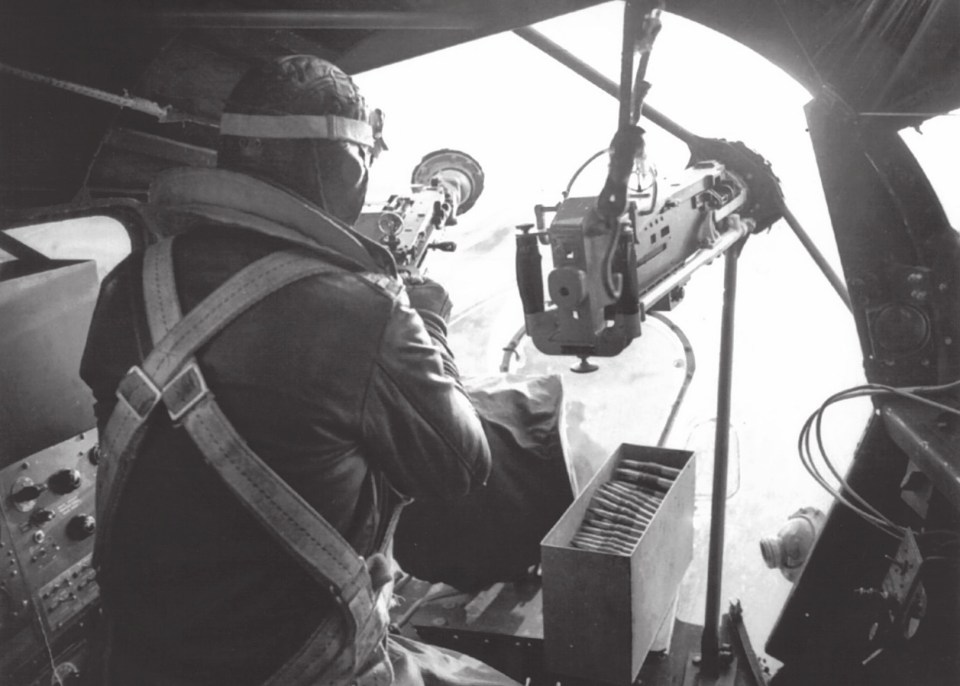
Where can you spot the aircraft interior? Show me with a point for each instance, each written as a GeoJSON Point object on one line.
{"type": "Point", "coordinates": [742, 304]}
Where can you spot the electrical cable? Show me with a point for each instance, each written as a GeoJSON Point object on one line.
{"type": "Point", "coordinates": [813, 429]}
{"type": "Point", "coordinates": [877, 523]}
{"type": "Point", "coordinates": [822, 448]}
{"type": "Point", "coordinates": [806, 452]}
{"type": "Point", "coordinates": [691, 368]}
{"type": "Point", "coordinates": [576, 174]}
{"type": "Point", "coordinates": [872, 516]}
{"type": "Point", "coordinates": [934, 389]}
{"type": "Point", "coordinates": [653, 198]}
{"type": "Point", "coordinates": [639, 189]}
{"type": "Point", "coordinates": [613, 289]}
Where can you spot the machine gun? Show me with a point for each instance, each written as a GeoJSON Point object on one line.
{"type": "Point", "coordinates": [609, 271]}
{"type": "Point", "coordinates": [633, 247]}
{"type": "Point", "coordinates": [444, 185]}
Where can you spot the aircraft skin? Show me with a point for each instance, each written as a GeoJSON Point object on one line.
{"type": "Point", "coordinates": [873, 68]}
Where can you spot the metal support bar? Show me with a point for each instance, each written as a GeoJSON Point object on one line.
{"type": "Point", "coordinates": [710, 642]}
{"type": "Point", "coordinates": [21, 250]}
{"type": "Point", "coordinates": [564, 57]}
{"type": "Point", "coordinates": [315, 19]}
{"type": "Point", "coordinates": [631, 24]}
{"type": "Point", "coordinates": [838, 284]}
{"type": "Point", "coordinates": [132, 102]}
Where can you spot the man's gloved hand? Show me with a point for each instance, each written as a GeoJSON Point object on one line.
{"type": "Point", "coordinates": [432, 303]}
{"type": "Point", "coordinates": [428, 296]}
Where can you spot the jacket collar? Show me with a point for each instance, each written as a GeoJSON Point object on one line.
{"type": "Point", "coordinates": [181, 198]}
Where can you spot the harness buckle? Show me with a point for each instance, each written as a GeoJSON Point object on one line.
{"type": "Point", "coordinates": [184, 392]}
{"type": "Point", "coordinates": [138, 392]}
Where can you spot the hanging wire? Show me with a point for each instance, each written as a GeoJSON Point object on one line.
{"type": "Point", "coordinates": [580, 169]}
{"type": "Point", "coordinates": [812, 433]}
{"type": "Point", "coordinates": [862, 508]}
{"type": "Point", "coordinates": [652, 173]}
{"type": "Point", "coordinates": [691, 368]}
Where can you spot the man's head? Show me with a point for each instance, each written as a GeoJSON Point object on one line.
{"type": "Point", "coordinates": [299, 121]}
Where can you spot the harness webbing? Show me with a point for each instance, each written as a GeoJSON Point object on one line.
{"type": "Point", "coordinates": [170, 376]}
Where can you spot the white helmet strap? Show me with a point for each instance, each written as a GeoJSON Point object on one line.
{"type": "Point", "coordinates": [328, 127]}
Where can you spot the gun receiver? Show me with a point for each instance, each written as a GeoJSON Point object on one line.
{"type": "Point", "coordinates": [608, 272]}
{"type": "Point", "coordinates": [444, 185]}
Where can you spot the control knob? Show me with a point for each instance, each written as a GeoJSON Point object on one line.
{"type": "Point", "coordinates": [64, 481]}
{"type": "Point", "coordinates": [81, 527]}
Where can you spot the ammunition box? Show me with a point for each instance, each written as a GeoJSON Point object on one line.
{"type": "Point", "coordinates": [602, 610]}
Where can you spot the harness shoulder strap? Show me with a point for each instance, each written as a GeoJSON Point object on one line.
{"type": "Point", "coordinates": [139, 391]}
{"type": "Point", "coordinates": [170, 374]}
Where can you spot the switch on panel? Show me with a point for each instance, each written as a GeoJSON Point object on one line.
{"type": "Point", "coordinates": [26, 492]}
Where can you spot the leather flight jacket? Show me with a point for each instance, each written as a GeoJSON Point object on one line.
{"type": "Point", "coordinates": [331, 380]}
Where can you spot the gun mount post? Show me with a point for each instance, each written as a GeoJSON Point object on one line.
{"type": "Point", "coordinates": [716, 665]}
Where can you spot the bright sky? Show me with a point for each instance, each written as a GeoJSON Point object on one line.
{"type": "Point", "coordinates": [531, 122]}
{"type": "Point", "coordinates": [935, 144]}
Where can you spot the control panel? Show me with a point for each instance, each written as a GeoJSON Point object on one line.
{"type": "Point", "coordinates": [48, 592]}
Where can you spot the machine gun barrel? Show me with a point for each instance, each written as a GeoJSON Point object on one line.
{"type": "Point", "coordinates": [703, 257]}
